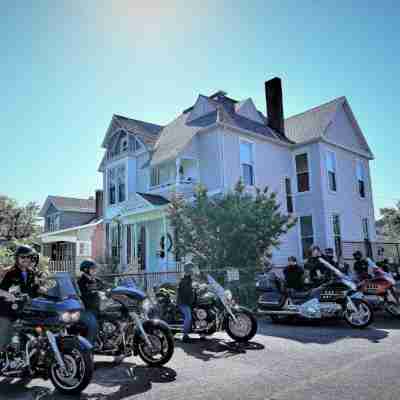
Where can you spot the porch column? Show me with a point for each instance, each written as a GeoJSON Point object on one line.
{"type": "Point", "coordinates": [178, 165]}
{"type": "Point", "coordinates": [164, 222]}
{"type": "Point", "coordinates": [135, 242]}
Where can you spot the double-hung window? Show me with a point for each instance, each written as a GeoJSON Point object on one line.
{"type": "Point", "coordinates": [306, 233]}
{"type": "Point", "coordinates": [331, 170]}
{"type": "Point", "coordinates": [360, 171]}
{"type": "Point", "coordinates": [337, 237]}
{"type": "Point", "coordinates": [302, 172]}
{"type": "Point", "coordinates": [289, 196]}
{"type": "Point", "coordinates": [247, 162]}
{"type": "Point", "coordinates": [155, 176]}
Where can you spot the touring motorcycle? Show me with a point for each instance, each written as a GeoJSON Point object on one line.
{"type": "Point", "coordinates": [124, 328]}
{"type": "Point", "coordinates": [214, 310]}
{"type": "Point", "coordinates": [336, 297]}
{"type": "Point", "coordinates": [40, 347]}
{"type": "Point", "coordinates": [379, 289]}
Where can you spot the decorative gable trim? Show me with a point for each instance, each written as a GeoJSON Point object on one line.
{"type": "Point", "coordinates": [247, 109]}
{"type": "Point", "coordinates": [202, 106]}
{"type": "Point", "coordinates": [46, 206]}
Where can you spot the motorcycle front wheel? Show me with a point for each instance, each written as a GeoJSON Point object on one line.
{"type": "Point", "coordinates": [162, 346]}
{"type": "Point", "coordinates": [360, 318]}
{"type": "Point", "coordinates": [245, 327]}
{"type": "Point", "coordinates": [78, 374]}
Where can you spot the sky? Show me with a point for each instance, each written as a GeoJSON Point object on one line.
{"type": "Point", "coordinates": [67, 66]}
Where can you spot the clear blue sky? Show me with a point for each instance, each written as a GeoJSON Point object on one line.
{"type": "Point", "coordinates": [66, 67]}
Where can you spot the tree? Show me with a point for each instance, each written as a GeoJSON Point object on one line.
{"type": "Point", "coordinates": [18, 223]}
{"type": "Point", "coordinates": [233, 230]}
{"type": "Point", "coordinates": [391, 222]}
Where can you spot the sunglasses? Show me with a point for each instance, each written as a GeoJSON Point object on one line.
{"type": "Point", "coordinates": [25, 257]}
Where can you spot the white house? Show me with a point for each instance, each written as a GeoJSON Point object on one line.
{"type": "Point", "coordinates": [317, 162]}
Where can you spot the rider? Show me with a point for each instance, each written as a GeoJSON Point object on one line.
{"type": "Point", "coordinates": [318, 271]}
{"type": "Point", "coordinates": [185, 300]}
{"type": "Point", "coordinates": [360, 265]}
{"type": "Point", "coordinates": [294, 275]}
{"type": "Point", "coordinates": [21, 275]}
{"type": "Point", "coordinates": [330, 257]}
{"type": "Point", "coordinates": [89, 286]}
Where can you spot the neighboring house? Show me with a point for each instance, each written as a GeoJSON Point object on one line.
{"type": "Point", "coordinates": [317, 162]}
{"type": "Point", "coordinates": [73, 230]}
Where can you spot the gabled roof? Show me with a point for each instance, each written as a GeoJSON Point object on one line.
{"type": "Point", "coordinates": [175, 136]}
{"type": "Point", "coordinates": [146, 131]}
{"type": "Point", "coordinates": [69, 204]}
{"type": "Point", "coordinates": [312, 123]}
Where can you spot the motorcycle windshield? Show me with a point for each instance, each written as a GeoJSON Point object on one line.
{"type": "Point", "coordinates": [339, 274]}
{"type": "Point", "coordinates": [63, 287]}
{"type": "Point", "coordinates": [216, 287]}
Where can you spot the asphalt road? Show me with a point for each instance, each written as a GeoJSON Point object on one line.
{"type": "Point", "coordinates": [283, 362]}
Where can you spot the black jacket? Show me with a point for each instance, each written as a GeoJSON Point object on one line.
{"type": "Point", "coordinates": [294, 277]}
{"type": "Point", "coordinates": [185, 291]}
{"type": "Point", "coordinates": [318, 271]}
{"type": "Point", "coordinates": [89, 287]}
{"type": "Point", "coordinates": [361, 267]}
{"type": "Point", "coordinates": [14, 277]}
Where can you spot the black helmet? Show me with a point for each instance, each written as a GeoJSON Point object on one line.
{"type": "Point", "coordinates": [86, 265]}
{"type": "Point", "coordinates": [357, 255]}
{"type": "Point", "coordinates": [24, 250]}
{"type": "Point", "coordinates": [329, 251]}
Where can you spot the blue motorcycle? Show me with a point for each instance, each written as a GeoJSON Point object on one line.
{"type": "Point", "coordinates": [40, 346]}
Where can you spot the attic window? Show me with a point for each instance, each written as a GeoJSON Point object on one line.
{"type": "Point", "coordinates": [124, 145]}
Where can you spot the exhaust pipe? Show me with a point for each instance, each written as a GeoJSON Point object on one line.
{"type": "Point", "coordinates": [272, 312]}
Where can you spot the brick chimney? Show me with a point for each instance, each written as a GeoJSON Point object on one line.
{"type": "Point", "coordinates": [273, 96]}
{"type": "Point", "coordinates": [99, 203]}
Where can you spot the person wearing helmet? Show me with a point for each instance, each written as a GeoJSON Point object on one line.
{"type": "Point", "coordinates": [185, 300]}
{"type": "Point", "coordinates": [89, 287]}
{"type": "Point", "coordinates": [318, 271]}
{"type": "Point", "coordinates": [21, 275]}
{"type": "Point", "coordinates": [360, 265]}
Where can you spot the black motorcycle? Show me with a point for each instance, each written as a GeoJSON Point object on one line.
{"type": "Point", "coordinates": [337, 297]}
{"type": "Point", "coordinates": [40, 347]}
{"type": "Point", "coordinates": [214, 310]}
{"type": "Point", "coordinates": [124, 328]}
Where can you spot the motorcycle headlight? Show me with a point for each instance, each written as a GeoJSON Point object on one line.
{"type": "Point", "coordinates": [147, 305]}
{"type": "Point", "coordinates": [228, 295]}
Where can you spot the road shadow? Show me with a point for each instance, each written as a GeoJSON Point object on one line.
{"type": "Point", "coordinates": [127, 378]}
{"type": "Point", "coordinates": [320, 331]}
{"type": "Point", "coordinates": [213, 348]}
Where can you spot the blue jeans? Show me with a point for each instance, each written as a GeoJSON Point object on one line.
{"type": "Point", "coordinates": [89, 320]}
{"type": "Point", "coordinates": [187, 318]}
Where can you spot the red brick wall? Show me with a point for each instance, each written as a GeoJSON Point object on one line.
{"type": "Point", "coordinates": [98, 242]}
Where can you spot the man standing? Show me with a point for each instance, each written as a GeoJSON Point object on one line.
{"type": "Point", "coordinates": [185, 300]}
{"type": "Point", "coordinates": [294, 275]}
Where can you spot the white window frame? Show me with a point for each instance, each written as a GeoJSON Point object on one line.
{"type": "Point", "coordinates": [298, 153]}
{"type": "Point", "coordinates": [253, 156]}
{"type": "Point", "coordinates": [360, 162]}
{"type": "Point", "coordinates": [299, 231]}
{"type": "Point", "coordinates": [327, 153]}
{"type": "Point", "coordinates": [115, 166]}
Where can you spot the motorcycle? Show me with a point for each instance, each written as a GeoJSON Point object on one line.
{"type": "Point", "coordinates": [124, 328]}
{"type": "Point", "coordinates": [214, 310]}
{"type": "Point", "coordinates": [337, 297]}
{"type": "Point", "coordinates": [40, 347]}
{"type": "Point", "coordinates": [379, 289]}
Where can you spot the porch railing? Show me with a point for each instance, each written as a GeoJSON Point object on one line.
{"type": "Point", "coordinates": [378, 251]}
{"type": "Point", "coordinates": [62, 266]}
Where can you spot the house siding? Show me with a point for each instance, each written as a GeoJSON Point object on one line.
{"type": "Point", "coordinates": [69, 219]}
{"type": "Point", "coordinates": [210, 159]}
{"type": "Point", "coordinates": [346, 200]}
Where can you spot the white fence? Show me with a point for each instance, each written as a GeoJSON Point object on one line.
{"type": "Point", "coordinates": [62, 266]}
